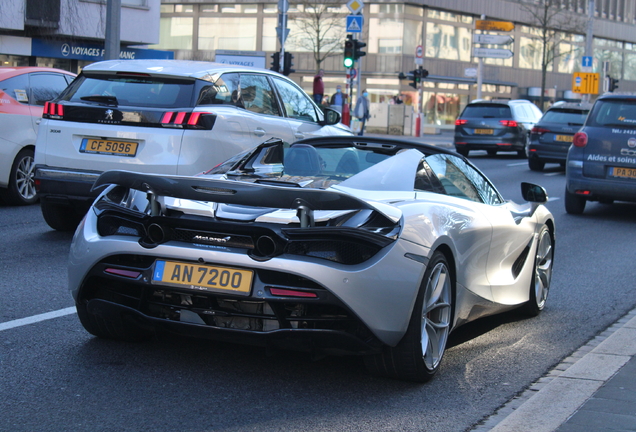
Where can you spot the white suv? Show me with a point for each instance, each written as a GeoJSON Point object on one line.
{"type": "Point", "coordinates": [165, 117]}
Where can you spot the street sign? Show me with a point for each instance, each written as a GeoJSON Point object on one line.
{"type": "Point", "coordinates": [587, 61]}
{"type": "Point", "coordinates": [282, 37]}
{"type": "Point", "coordinates": [494, 25]}
{"type": "Point", "coordinates": [585, 82]}
{"type": "Point", "coordinates": [353, 73]}
{"type": "Point", "coordinates": [419, 53]}
{"type": "Point", "coordinates": [283, 6]}
{"type": "Point", "coordinates": [470, 72]}
{"type": "Point", "coordinates": [355, 6]}
{"type": "Point", "coordinates": [492, 39]}
{"type": "Point", "coordinates": [354, 23]}
{"type": "Point", "coordinates": [492, 53]}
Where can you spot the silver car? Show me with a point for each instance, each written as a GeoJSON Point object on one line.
{"type": "Point", "coordinates": [341, 245]}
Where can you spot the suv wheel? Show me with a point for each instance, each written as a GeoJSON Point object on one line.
{"type": "Point", "coordinates": [574, 204]}
{"type": "Point", "coordinates": [535, 164]}
{"type": "Point", "coordinates": [60, 217]}
{"type": "Point", "coordinates": [21, 190]}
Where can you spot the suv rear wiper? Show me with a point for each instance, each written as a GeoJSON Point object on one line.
{"type": "Point", "coordinates": [108, 100]}
{"type": "Point", "coordinates": [574, 124]}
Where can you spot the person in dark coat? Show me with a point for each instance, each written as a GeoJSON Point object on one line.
{"type": "Point", "coordinates": [361, 111]}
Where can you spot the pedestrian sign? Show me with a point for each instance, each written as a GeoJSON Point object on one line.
{"type": "Point", "coordinates": [354, 23]}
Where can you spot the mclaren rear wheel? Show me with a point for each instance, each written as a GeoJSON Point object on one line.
{"type": "Point", "coordinates": [109, 327]}
{"type": "Point", "coordinates": [417, 357]}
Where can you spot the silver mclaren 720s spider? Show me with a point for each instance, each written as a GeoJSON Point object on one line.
{"type": "Point", "coordinates": [336, 245]}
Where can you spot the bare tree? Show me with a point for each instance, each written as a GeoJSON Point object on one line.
{"type": "Point", "coordinates": [552, 19]}
{"type": "Point", "coordinates": [319, 27]}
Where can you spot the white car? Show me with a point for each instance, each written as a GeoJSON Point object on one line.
{"type": "Point", "coordinates": [23, 92]}
{"type": "Point", "coordinates": [166, 117]}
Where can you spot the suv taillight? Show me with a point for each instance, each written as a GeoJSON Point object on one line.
{"type": "Point", "coordinates": [509, 123]}
{"type": "Point", "coordinates": [460, 122]}
{"type": "Point", "coordinates": [580, 139]}
{"type": "Point", "coordinates": [188, 120]}
{"type": "Point", "coordinates": [539, 130]}
{"type": "Point", "coordinates": [53, 110]}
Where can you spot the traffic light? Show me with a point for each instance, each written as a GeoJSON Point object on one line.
{"type": "Point", "coordinates": [358, 45]}
{"type": "Point", "coordinates": [417, 75]}
{"type": "Point", "coordinates": [275, 62]}
{"type": "Point", "coordinates": [613, 83]}
{"type": "Point", "coordinates": [349, 52]}
{"type": "Point", "coordinates": [287, 64]}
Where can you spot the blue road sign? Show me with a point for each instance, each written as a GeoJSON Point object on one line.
{"type": "Point", "coordinates": [354, 23]}
{"type": "Point", "coordinates": [578, 81]}
{"type": "Point", "coordinates": [587, 61]}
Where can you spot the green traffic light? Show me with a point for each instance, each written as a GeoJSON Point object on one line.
{"type": "Point", "coordinates": [348, 62]}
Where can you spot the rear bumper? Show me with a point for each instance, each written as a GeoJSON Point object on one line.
{"type": "Point", "coordinates": [598, 188]}
{"type": "Point", "coordinates": [65, 186]}
{"type": "Point", "coordinates": [503, 144]}
{"type": "Point", "coordinates": [548, 153]}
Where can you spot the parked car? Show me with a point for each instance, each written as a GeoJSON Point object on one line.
{"type": "Point", "coordinates": [339, 245]}
{"type": "Point", "coordinates": [552, 136]}
{"type": "Point", "coordinates": [601, 163]}
{"type": "Point", "coordinates": [166, 117]}
{"type": "Point", "coordinates": [23, 92]}
{"type": "Point", "coordinates": [497, 125]}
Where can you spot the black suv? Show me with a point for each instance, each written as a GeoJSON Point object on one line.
{"type": "Point", "coordinates": [601, 163]}
{"type": "Point", "coordinates": [551, 138]}
{"type": "Point", "coordinates": [498, 125]}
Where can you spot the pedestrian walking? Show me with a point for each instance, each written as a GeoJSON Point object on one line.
{"type": "Point", "coordinates": [361, 111]}
{"type": "Point", "coordinates": [338, 99]}
{"type": "Point", "coordinates": [319, 87]}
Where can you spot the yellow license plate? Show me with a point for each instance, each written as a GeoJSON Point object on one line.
{"type": "Point", "coordinates": [623, 172]}
{"type": "Point", "coordinates": [564, 138]}
{"type": "Point", "coordinates": [484, 131]}
{"type": "Point", "coordinates": [109, 147]}
{"type": "Point", "coordinates": [202, 277]}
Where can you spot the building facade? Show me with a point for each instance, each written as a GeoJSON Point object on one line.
{"type": "Point", "coordinates": [441, 30]}
{"type": "Point", "coordinates": [67, 34]}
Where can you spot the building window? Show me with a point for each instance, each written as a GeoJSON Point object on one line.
{"type": "Point", "coordinates": [221, 33]}
{"type": "Point", "coordinates": [175, 33]}
{"type": "Point", "coordinates": [448, 42]}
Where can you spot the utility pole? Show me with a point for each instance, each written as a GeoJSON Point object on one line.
{"type": "Point", "coordinates": [589, 38]}
{"type": "Point", "coordinates": [112, 41]}
{"type": "Point", "coordinates": [480, 70]}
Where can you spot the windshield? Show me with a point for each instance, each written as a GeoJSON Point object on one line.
{"type": "Point", "coordinates": [613, 112]}
{"type": "Point", "coordinates": [487, 111]}
{"type": "Point", "coordinates": [565, 116]}
{"type": "Point", "coordinates": [141, 91]}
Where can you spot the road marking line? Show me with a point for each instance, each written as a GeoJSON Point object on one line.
{"type": "Point", "coordinates": [37, 318]}
{"type": "Point", "coordinates": [518, 164]}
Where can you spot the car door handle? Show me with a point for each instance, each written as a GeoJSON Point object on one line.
{"type": "Point", "coordinates": [299, 135]}
{"type": "Point", "coordinates": [37, 122]}
{"type": "Point", "coordinates": [259, 132]}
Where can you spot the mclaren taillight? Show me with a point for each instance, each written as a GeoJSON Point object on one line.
{"type": "Point", "coordinates": [460, 122]}
{"type": "Point", "coordinates": [539, 130]}
{"type": "Point", "coordinates": [188, 120]}
{"type": "Point", "coordinates": [580, 139]}
{"type": "Point", "coordinates": [53, 110]}
{"type": "Point", "coordinates": [509, 123]}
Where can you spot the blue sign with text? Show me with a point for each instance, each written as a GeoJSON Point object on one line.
{"type": "Point", "coordinates": [90, 52]}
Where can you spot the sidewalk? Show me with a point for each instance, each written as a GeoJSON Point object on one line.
{"type": "Point", "coordinates": [593, 390]}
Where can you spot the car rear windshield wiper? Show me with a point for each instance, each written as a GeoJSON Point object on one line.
{"type": "Point", "coordinates": [574, 124]}
{"type": "Point", "coordinates": [108, 100]}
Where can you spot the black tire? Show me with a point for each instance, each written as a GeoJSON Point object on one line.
{"type": "Point", "coordinates": [107, 327]}
{"type": "Point", "coordinates": [574, 204]}
{"type": "Point", "coordinates": [536, 165]}
{"type": "Point", "coordinates": [542, 273]}
{"type": "Point", "coordinates": [522, 153]}
{"type": "Point", "coordinates": [491, 152]}
{"type": "Point", "coordinates": [462, 151]}
{"type": "Point", "coordinates": [60, 217]}
{"type": "Point", "coordinates": [606, 201]}
{"type": "Point", "coordinates": [21, 188]}
{"type": "Point", "coordinates": [409, 360]}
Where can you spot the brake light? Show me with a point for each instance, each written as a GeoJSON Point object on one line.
{"type": "Point", "coordinates": [53, 110]}
{"type": "Point", "coordinates": [187, 120]}
{"type": "Point", "coordinates": [539, 130]}
{"type": "Point", "coordinates": [460, 122]}
{"type": "Point", "coordinates": [580, 139]}
{"type": "Point", "coordinates": [509, 123]}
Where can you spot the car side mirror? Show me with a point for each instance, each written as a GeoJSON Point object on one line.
{"type": "Point", "coordinates": [332, 117]}
{"type": "Point", "coordinates": [533, 193]}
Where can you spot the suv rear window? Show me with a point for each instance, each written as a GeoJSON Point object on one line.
{"type": "Point", "coordinates": [137, 91]}
{"type": "Point", "coordinates": [565, 116]}
{"type": "Point", "coordinates": [487, 111]}
{"type": "Point", "coordinates": [613, 112]}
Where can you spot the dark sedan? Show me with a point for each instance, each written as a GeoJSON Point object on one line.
{"type": "Point", "coordinates": [552, 136]}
